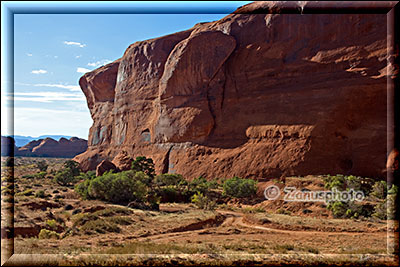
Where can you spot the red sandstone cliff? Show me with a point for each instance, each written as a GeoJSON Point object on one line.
{"type": "Point", "coordinates": [253, 95]}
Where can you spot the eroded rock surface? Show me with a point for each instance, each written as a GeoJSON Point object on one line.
{"type": "Point", "coordinates": [252, 95]}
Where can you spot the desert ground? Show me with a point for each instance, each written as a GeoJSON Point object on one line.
{"type": "Point", "coordinates": [238, 231]}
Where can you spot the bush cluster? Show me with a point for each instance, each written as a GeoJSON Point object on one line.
{"type": "Point", "coordinates": [141, 188]}
{"type": "Point", "coordinates": [42, 166]}
{"type": "Point", "coordinates": [203, 202]}
{"type": "Point", "coordinates": [48, 234]}
{"type": "Point", "coordinates": [387, 209]}
{"type": "Point", "coordinates": [68, 174]}
{"type": "Point", "coordinates": [376, 191]}
{"type": "Point", "coordinates": [39, 175]}
{"type": "Point", "coordinates": [240, 188]}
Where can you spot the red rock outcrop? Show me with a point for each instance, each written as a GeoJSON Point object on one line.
{"type": "Point", "coordinates": [123, 161]}
{"type": "Point", "coordinates": [105, 166]}
{"type": "Point", "coordinates": [49, 147]}
{"type": "Point", "coordinates": [252, 95]}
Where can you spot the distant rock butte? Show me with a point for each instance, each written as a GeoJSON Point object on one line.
{"type": "Point", "coordinates": [252, 95]}
{"type": "Point", "coordinates": [48, 147]}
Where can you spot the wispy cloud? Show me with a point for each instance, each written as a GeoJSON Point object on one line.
{"type": "Point", "coordinates": [74, 43]}
{"type": "Point", "coordinates": [39, 71]}
{"type": "Point", "coordinates": [45, 97]}
{"type": "Point", "coordinates": [99, 63]}
{"type": "Point", "coordinates": [29, 54]}
{"type": "Point", "coordinates": [55, 85]}
{"type": "Point", "coordinates": [78, 56]}
{"type": "Point", "coordinates": [82, 70]}
{"type": "Point", "coordinates": [69, 87]}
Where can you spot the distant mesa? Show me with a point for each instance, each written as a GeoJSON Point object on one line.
{"type": "Point", "coordinates": [21, 140]}
{"type": "Point", "coordinates": [47, 147]}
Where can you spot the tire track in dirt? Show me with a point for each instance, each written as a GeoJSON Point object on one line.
{"type": "Point", "coordinates": [239, 221]}
{"type": "Point", "coordinates": [229, 218]}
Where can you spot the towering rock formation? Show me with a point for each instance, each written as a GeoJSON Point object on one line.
{"type": "Point", "coordinates": [252, 95]}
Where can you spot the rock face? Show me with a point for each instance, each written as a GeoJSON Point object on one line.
{"type": "Point", "coordinates": [104, 166]}
{"type": "Point", "coordinates": [252, 95]}
{"type": "Point", "coordinates": [49, 147]}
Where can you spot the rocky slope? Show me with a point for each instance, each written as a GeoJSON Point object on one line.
{"type": "Point", "coordinates": [48, 147]}
{"type": "Point", "coordinates": [253, 95]}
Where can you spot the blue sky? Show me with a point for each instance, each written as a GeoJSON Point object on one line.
{"type": "Point", "coordinates": [52, 51]}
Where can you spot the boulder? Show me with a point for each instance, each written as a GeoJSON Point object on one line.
{"type": "Point", "coordinates": [123, 161]}
{"type": "Point", "coordinates": [104, 166]}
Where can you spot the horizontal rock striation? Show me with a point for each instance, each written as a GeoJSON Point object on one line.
{"type": "Point", "coordinates": [252, 95]}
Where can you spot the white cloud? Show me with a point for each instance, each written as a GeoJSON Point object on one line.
{"type": "Point", "coordinates": [45, 97]}
{"type": "Point", "coordinates": [69, 87]}
{"type": "Point", "coordinates": [82, 70]}
{"type": "Point", "coordinates": [78, 56]}
{"type": "Point", "coordinates": [29, 54]}
{"type": "Point", "coordinates": [39, 71]}
{"type": "Point", "coordinates": [99, 63]}
{"type": "Point", "coordinates": [74, 43]}
{"type": "Point", "coordinates": [63, 86]}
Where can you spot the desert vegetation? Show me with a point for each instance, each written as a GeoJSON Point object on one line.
{"type": "Point", "coordinates": [59, 209]}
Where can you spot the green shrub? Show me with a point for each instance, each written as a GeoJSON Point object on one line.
{"type": "Point", "coordinates": [201, 185]}
{"type": "Point", "coordinates": [387, 209]}
{"type": "Point", "coordinates": [168, 179]}
{"type": "Point", "coordinates": [42, 166]}
{"type": "Point", "coordinates": [40, 175]}
{"type": "Point", "coordinates": [283, 211]}
{"type": "Point", "coordinates": [73, 166]}
{"type": "Point", "coordinates": [203, 202]}
{"type": "Point", "coordinates": [338, 209]}
{"type": "Point", "coordinates": [83, 189]}
{"type": "Point", "coordinates": [52, 224]}
{"type": "Point", "coordinates": [143, 164]}
{"type": "Point", "coordinates": [100, 226]}
{"type": "Point", "coordinates": [64, 177]}
{"type": "Point", "coordinates": [68, 174]}
{"type": "Point", "coordinates": [48, 234]}
{"type": "Point", "coordinates": [122, 187]}
{"type": "Point", "coordinates": [240, 188]}
{"type": "Point", "coordinates": [40, 194]}
{"type": "Point", "coordinates": [89, 175]}
{"type": "Point", "coordinates": [379, 190]}
{"type": "Point", "coordinates": [336, 181]}
{"type": "Point", "coordinates": [391, 206]}
{"type": "Point", "coordinates": [27, 192]}
{"type": "Point", "coordinates": [342, 182]}
{"type": "Point", "coordinates": [380, 210]}
{"type": "Point", "coordinates": [349, 209]}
